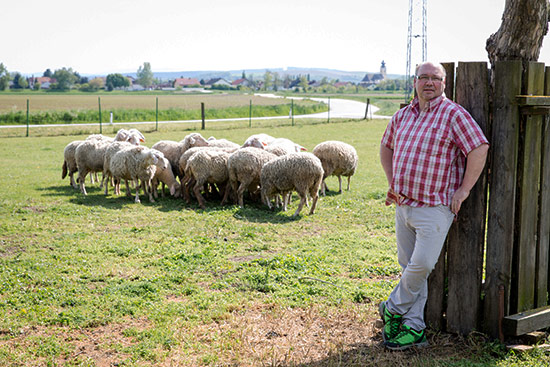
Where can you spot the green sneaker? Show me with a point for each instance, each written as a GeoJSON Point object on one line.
{"type": "Point", "coordinates": [407, 338]}
{"type": "Point", "coordinates": [392, 322]}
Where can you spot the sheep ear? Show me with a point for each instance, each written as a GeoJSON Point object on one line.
{"type": "Point", "coordinates": [155, 159]}
{"type": "Point", "coordinates": [303, 149]}
{"type": "Point", "coordinates": [172, 190]}
{"type": "Point", "coordinates": [264, 143]}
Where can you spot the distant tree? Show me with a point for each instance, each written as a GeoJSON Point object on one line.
{"type": "Point", "coordinates": [268, 80]}
{"type": "Point", "coordinates": [304, 83]}
{"type": "Point", "coordinates": [48, 73]}
{"type": "Point", "coordinates": [244, 75]}
{"type": "Point", "coordinates": [277, 82]}
{"type": "Point", "coordinates": [66, 79]}
{"type": "Point", "coordinates": [4, 77]}
{"type": "Point", "coordinates": [145, 75]}
{"type": "Point", "coordinates": [19, 82]}
{"type": "Point", "coordinates": [116, 81]}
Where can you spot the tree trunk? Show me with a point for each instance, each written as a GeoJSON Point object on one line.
{"type": "Point", "coordinates": [524, 25]}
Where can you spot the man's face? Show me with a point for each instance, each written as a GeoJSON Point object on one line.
{"type": "Point", "coordinates": [429, 82]}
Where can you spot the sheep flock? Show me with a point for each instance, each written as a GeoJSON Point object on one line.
{"type": "Point", "coordinates": [262, 169]}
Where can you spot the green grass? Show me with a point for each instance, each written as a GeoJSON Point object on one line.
{"type": "Point", "coordinates": [95, 280]}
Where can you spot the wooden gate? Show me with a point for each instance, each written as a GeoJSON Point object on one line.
{"type": "Point", "coordinates": [493, 272]}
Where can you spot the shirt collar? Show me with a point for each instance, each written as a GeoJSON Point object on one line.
{"type": "Point", "coordinates": [415, 104]}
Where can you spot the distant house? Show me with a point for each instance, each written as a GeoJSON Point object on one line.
{"type": "Point", "coordinates": [241, 82]}
{"type": "Point", "coordinates": [342, 84]}
{"type": "Point", "coordinates": [217, 82]}
{"type": "Point", "coordinates": [373, 79]}
{"type": "Point", "coordinates": [44, 81]}
{"type": "Point", "coordinates": [186, 82]}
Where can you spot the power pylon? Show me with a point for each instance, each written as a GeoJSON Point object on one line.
{"type": "Point", "coordinates": [416, 30]}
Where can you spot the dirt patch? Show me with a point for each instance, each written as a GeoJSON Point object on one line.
{"type": "Point", "coordinates": [103, 345]}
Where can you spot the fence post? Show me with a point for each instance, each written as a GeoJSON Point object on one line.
{"type": "Point", "coordinates": [157, 116]}
{"type": "Point", "coordinates": [367, 109]}
{"type": "Point", "coordinates": [292, 110]}
{"type": "Point", "coordinates": [99, 103]}
{"type": "Point", "coordinates": [202, 115]}
{"type": "Point", "coordinates": [328, 112]}
{"type": "Point", "coordinates": [501, 214]}
{"type": "Point", "coordinates": [466, 239]}
{"type": "Point", "coordinates": [250, 115]}
{"type": "Point", "coordinates": [27, 117]}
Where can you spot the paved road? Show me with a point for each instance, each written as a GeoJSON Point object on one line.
{"type": "Point", "coordinates": [339, 108]}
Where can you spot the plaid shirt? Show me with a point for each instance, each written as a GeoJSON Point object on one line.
{"type": "Point", "coordinates": [429, 151]}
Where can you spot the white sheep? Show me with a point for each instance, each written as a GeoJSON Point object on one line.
{"type": "Point", "coordinates": [135, 164]}
{"type": "Point", "coordinates": [132, 140]}
{"type": "Point", "coordinates": [208, 166]}
{"type": "Point", "coordinates": [282, 146]}
{"type": "Point", "coordinates": [222, 143]}
{"type": "Point", "coordinates": [69, 162]}
{"type": "Point", "coordinates": [302, 172]}
{"type": "Point", "coordinates": [166, 177]}
{"type": "Point", "coordinates": [261, 139]}
{"type": "Point", "coordinates": [244, 167]}
{"type": "Point", "coordinates": [338, 159]}
{"type": "Point", "coordinates": [173, 150]}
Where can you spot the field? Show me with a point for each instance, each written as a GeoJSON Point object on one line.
{"type": "Point", "coordinates": [103, 281]}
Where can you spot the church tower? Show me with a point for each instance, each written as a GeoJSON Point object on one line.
{"type": "Point", "coordinates": [383, 69]}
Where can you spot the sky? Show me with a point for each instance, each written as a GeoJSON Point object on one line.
{"type": "Point", "coordinates": [106, 36]}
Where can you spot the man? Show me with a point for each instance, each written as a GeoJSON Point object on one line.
{"type": "Point", "coordinates": [432, 153]}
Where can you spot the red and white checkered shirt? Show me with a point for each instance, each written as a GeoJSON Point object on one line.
{"type": "Point", "coordinates": [429, 151]}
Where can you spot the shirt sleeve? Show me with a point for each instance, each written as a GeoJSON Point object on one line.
{"type": "Point", "coordinates": [467, 133]}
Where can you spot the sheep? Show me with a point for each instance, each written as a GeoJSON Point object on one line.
{"type": "Point", "coordinates": [208, 166]}
{"type": "Point", "coordinates": [166, 177]}
{"type": "Point", "coordinates": [282, 146]}
{"type": "Point", "coordinates": [244, 167]}
{"type": "Point", "coordinates": [69, 162]}
{"type": "Point", "coordinates": [114, 147]}
{"type": "Point", "coordinates": [222, 143]}
{"type": "Point", "coordinates": [262, 139]}
{"type": "Point", "coordinates": [338, 159]}
{"type": "Point", "coordinates": [135, 164]}
{"type": "Point", "coordinates": [88, 155]}
{"type": "Point", "coordinates": [302, 172]}
{"type": "Point", "coordinates": [173, 150]}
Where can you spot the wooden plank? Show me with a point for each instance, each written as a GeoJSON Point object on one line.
{"type": "Point", "coordinates": [529, 165]}
{"type": "Point", "coordinates": [436, 282]}
{"type": "Point", "coordinates": [526, 322]}
{"type": "Point", "coordinates": [467, 236]}
{"type": "Point", "coordinates": [502, 188]}
{"type": "Point", "coordinates": [449, 79]}
{"type": "Point", "coordinates": [535, 100]}
{"type": "Point", "coordinates": [433, 314]}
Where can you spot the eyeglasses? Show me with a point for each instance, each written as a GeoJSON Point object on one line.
{"type": "Point", "coordinates": [425, 78]}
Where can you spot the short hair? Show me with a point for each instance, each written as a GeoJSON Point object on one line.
{"type": "Point", "coordinates": [436, 64]}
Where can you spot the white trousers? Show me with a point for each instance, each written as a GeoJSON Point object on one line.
{"type": "Point", "coordinates": [420, 234]}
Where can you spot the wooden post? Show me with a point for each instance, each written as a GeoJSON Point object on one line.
{"type": "Point", "coordinates": [250, 115]}
{"type": "Point", "coordinates": [544, 230]}
{"type": "Point", "coordinates": [466, 238]}
{"type": "Point", "coordinates": [157, 116]}
{"type": "Point", "coordinates": [328, 112]}
{"type": "Point", "coordinates": [449, 79]}
{"type": "Point", "coordinates": [501, 214]}
{"type": "Point", "coordinates": [292, 110]}
{"type": "Point", "coordinates": [529, 163]}
{"type": "Point", "coordinates": [99, 104]}
{"type": "Point", "coordinates": [367, 109]}
{"type": "Point", "coordinates": [27, 117]}
{"type": "Point", "coordinates": [202, 116]}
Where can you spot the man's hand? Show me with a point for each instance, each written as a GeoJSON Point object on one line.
{"type": "Point", "coordinates": [458, 198]}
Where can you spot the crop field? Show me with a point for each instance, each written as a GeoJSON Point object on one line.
{"type": "Point", "coordinates": [100, 280]}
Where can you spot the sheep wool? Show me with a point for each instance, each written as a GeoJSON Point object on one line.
{"type": "Point", "coordinates": [302, 172]}
{"type": "Point", "coordinates": [338, 159]}
{"type": "Point", "coordinates": [208, 166]}
{"type": "Point", "coordinates": [244, 167]}
{"type": "Point", "coordinates": [173, 150]}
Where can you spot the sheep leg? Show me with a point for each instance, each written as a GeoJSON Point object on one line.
{"type": "Point", "coordinates": [340, 183]}
{"type": "Point", "coordinates": [301, 205]}
{"type": "Point", "coordinates": [81, 178]}
{"type": "Point", "coordinates": [128, 191]}
{"type": "Point", "coordinates": [148, 189]}
{"type": "Point", "coordinates": [226, 193]}
{"type": "Point", "coordinates": [349, 179]}
{"type": "Point", "coordinates": [197, 190]}
{"type": "Point", "coordinates": [137, 190]}
{"type": "Point", "coordinates": [313, 204]}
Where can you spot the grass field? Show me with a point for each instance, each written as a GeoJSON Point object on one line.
{"type": "Point", "coordinates": [103, 281]}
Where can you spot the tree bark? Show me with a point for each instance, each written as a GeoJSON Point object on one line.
{"type": "Point", "coordinates": [524, 25]}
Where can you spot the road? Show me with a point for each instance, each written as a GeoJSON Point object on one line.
{"type": "Point", "coordinates": [339, 108]}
